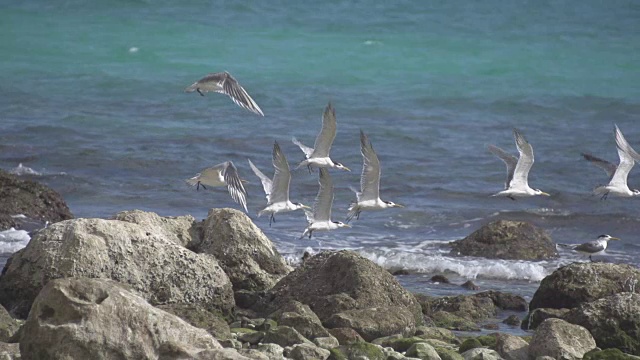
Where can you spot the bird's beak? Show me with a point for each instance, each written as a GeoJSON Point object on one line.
{"type": "Point", "coordinates": [615, 238]}
{"type": "Point", "coordinates": [346, 168]}
{"type": "Point", "coordinates": [306, 207]}
{"type": "Point", "coordinates": [400, 206]}
{"type": "Point", "coordinates": [544, 193]}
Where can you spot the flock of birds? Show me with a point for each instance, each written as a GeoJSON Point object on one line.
{"type": "Point", "coordinates": [368, 197]}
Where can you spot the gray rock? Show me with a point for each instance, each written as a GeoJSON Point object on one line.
{"type": "Point", "coordinates": [252, 338]}
{"type": "Point", "coordinates": [545, 358]}
{"type": "Point", "coordinates": [511, 347]}
{"type": "Point", "coordinates": [273, 351]}
{"type": "Point", "coordinates": [10, 351]}
{"type": "Point", "coordinates": [38, 202]}
{"type": "Point", "coordinates": [300, 317]}
{"type": "Point", "coordinates": [481, 354]}
{"type": "Point", "coordinates": [247, 256]}
{"type": "Point", "coordinates": [450, 321]}
{"type": "Point", "coordinates": [397, 342]}
{"type": "Point", "coordinates": [373, 323]}
{"type": "Point", "coordinates": [284, 336]}
{"type": "Point", "coordinates": [308, 352]}
{"type": "Point", "coordinates": [328, 342]}
{"type": "Point", "coordinates": [577, 283]}
{"type": "Point", "coordinates": [560, 339]}
{"type": "Point", "coordinates": [437, 333]}
{"type": "Point", "coordinates": [157, 268]}
{"type": "Point", "coordinates": [614, 321]}
{"type": "Point", "coordinates": [333, 282]}
{"type": "Point", "coordinates": [231, 343]}
{"type": "Point", "coordinates": [470, 285]}
{"type": "Point", "coordinates": [505, 239]}
{"type": "Point", "coordinates": [253, 354]}
{"type": "Point", "coordinates": [182, 230]}
{"type": "Point", "coordinates": [513, 320]}
{"type": "Point", "coordinates": [346, 336]}
{"type": "Point", "coordinates": [8, 325]}
{"type": "Point", "coordinates": [537, 316]}
{"type": "Point", "coordinates": [358, 351]}
{"type": "Point", "coordinates": [200, 318]}
{"type": "Point", "coordinates": [423, 351]}
{"type": "Point", "coordinates": [81, 318]}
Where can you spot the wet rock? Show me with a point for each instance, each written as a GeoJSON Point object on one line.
{"type": "Point", "coordinates": [468, 307]}
{"type": "Point", "coordinates": [504, 239]}
{"type": "Point", "coordinates": [335, 282]}
{"type": "Point", "coordinates": [397, 342]}
{"type": "Point", "coordinates": [560, 340]}
{"type": "Point", "coordinates": [81, 318]}
{"type": "Point", "coordinates": [607, 354]}
{"type": "Point", "coordinates": [8, 325]}
{"type": "Point", "coordinates": [373, 323]}
{"type": "Point", "coordinates": [481, 354]}
{"type": "Point", "coordinates": [196, 316]}
{"type": "Point", "coordinates": [400, 272]}
{"type": "Point", "coordinates": [157, 268]}
{"type": "Point", "coordinates": [328, 342]}
{"type": "Point", "coordinates": [247, 256]}
{"type": "Point", "coordinates": [448, 354]}
{"type": "Point", "coordinates": [450, 321]}
{"type": "Point", "coordinates": [252, 338]}
{"type": "Point", "coordinates": [356, 351]}
{"type": "Point", "coordinates": [504, 301]}
{"type": "Point", "coordinates": [436, 333]}
{"type": "Point", "coordinates": [300, 317]}
{"type": "Point", "coordinates": [440, 279]}
{"type": "Point", "coordinates": [423, 351]}
{"type": "Point", "coordinates": [36, 201]}
{"type": "Point", "coordinates": [577, 283]}
{"type": "Point", "coordinates": [537, 316]}
{"type": "Point", "coordinates": [513, 320]}
{"type": "Point", "coordinates": [511, 347]}
{"type": "Point", "coordinates": [284, 336]}
{"type": "Point", "coordinates": [614, 321]}
{"type": "Point", "coordinates": [346, 336]}
{"type": "Point", "coordinates": [470, 285]}
{"type": "Point", "coordinates": [469, 344]}
{"type": "Point", "coordinates": [308, 352]}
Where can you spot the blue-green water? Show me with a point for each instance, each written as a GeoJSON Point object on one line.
{"type": "Point", "coordinates": [91, 97]}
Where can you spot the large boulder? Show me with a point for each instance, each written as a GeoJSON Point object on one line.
{"type": "Point", "coordinates": [336, 282]}
{"type": "Point", "coordinates": [511, 347]}
{"type": "Point", "coordinates": [474, 307]}
{"type": "Point", "coordinates": [372, 323]}
{"type": "Point", "coordinates": [182, 230]}
{"type": "Point", "coordinates": [300, 317]}
{"type": "Point", "coordinates": [245, 253]}
{"type": "Point", "coordinates": [614, 321]}
{"type": "Point", "coordinates": [560, 340]}
{"type": "Point", "coordinates": [505, 239]}
{"type": "Point", "coordinates": [37, 202]}
{"type": "Point", "coordinates": [571, 285]}
{"type": "Point", "coordinates": [158, 268]}
{"type": "Point", "coordinates": [8, 325]}
{"type": "Point", "coordinates": [537, 316]}
{"type": "Point", "coordinates": [82, 318]}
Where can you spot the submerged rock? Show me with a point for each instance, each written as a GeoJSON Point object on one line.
{"type": "Point", "coordinates": [504, 239]}
{"type": "Point", "coordinates": [560, 340]}
{"type": "Point", "coordinates": [29, 198]}
{"type": "Point", "coordinates": [80, 318]}
{"type": "Point", "coordinates": [162, 271]}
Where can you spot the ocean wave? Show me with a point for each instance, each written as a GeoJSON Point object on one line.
{"type": "Point", "coordinates": [24, 170]}
{"type": "Point", "coordinates": [13, 240]}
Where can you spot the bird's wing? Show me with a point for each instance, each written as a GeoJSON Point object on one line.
{"type": "Point", "coordinates": [211, 82]}
{"type": "Point", "coordinates": [510, 160]}
{"type": "Point", "coordinates": [239, 95]}
{"type": "Point", "coordinates": [305, 149]}
{"type": "Point", "coordinates": [370, 178]}
{"type": "Point", "coordinates": [323, 143]}
{"type": "Point", "coordinates": [210, 176]}
{"type": "Point", "coordinates": [626, 160]}
{"type": "Point", "coordinates": [266, 182]}
{"type": "Point", "coordinates": [625, 145]}
{"type": "Point", "coordinates": [590, 247]}
{"type": "Point", "coordinates": [234, 185]}
{"type": "Point", "coordinates": [324, 200]}
{"type": "Point", "coordinates": [282, 176]}
{"type": "Point", "coordinates": [525, 161]}
{"type": "Point", "coordinates": [608, 167]}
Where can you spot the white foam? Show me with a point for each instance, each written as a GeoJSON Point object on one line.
{"type": "Point", "coordinates": [19, 216]}
{"type": "Point", "coordinates": [23, 170]}
{"type": "Point", "coordinates": [13, 240]}
{"type": "Point", "coordinates": [133, 50]}
{"type": "Point", "coordinates": [372, 42]}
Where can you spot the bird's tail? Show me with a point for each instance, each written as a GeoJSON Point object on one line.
{"type": "Point", "coordinates": [566, 246]}
{"type": "Point", "coordinates": [194, 180]}
{"type": "Point", "coordinates": [191, 88]}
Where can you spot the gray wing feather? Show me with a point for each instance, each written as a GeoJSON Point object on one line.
{"type": "Point", "coordinates": [305, 149]}
{"type": "Point", "coordinates": [608, 167]}
{"type": "Point", "coordinates": [510, 160]}
{"type": "Point", "coordinates": [281, 177]}
{"type": "Point", "coordinates": [324, 200]}
{"type": "Point", "coordinates": [239, 95]}
{"type": "Point", "coordinates": [325, 138]}
{"type": "Point", "coordinates": [234, 185]}
{"type": "Point", "coordinates": [589, 247]}
{"type": "Point", "coordinates": [626, 155]}
{"type": "Point", "coordinates": [370, 178]}
{"type": "Point", "coordinates": [525, 161]}
{"type": "Point", "coordinates": [266, 182]}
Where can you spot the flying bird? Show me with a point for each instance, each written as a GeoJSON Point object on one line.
{"type": "Point", "coordinates": [517, 184]}
{"type": "Point", "coordinates": [368, 198]}
{"type": "Point", "coordinates": [277, 190]}
{"type": "Point", "coordinates": [320, 218]}
{"type": "Point", "coordinates": [318, 156]}
{"type": "Point", "coordinates": [224, 174]}
{"type": "Point", "coordinates": [617, 174]}
{"type": "Point", "coordinates": [224, 83]}
{"type": "Point", "coordinates": [593, 247]}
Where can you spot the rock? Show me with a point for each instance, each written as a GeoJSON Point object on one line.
{"type": "Point", "coordinates": [81, 318]}
{"type": "Point", "coordinates": [614, 321]}
{"type": "Point", "coordinates": [308, 352]}
{"type": "Point", "coordinates": [253, 354]}
{"type": "Point", "coordinates": [247, 256]}
{"type": "Point", "coordinates": [357, 350]}
{"type": "Point", "coordinates": [252, 338]}
{"type": "Point", "coordinates": [268, 324]}
{"type": "Point", "coordinates": [468, 307]}
{"type": "Point", "coordinates": [334, 282]}
{"type": "Point", "coordinates": [300, 317]}
{"type": "Point", "coordinates": [35, 201]}
{"type": "Point", "coordinates": [246, 299]}
{"type": "Point", "coordinates": [608, 354]}
{"type": "Point", "coordinates": [231, 343]}
{"type": "Point", "coordinates": [453, 322]}
{"type": "Point", "coordinates": [577, 283]}
{"type": "Point", "coordinates": [488, 340]}
{"type": "Point", "coordinates": [436, 333]}
{"type": "Point", "coordinates": [470, 285]}
{"type": "Point", "coordinates": [504, 301]}
{"type": "Point", "coordinates": [219, 354]}
{"type": "Point", "coordinates": [423, 351]}
{"type": "Point", "coordinates": [512, 320]}
{"type": "Point", "coordinates": [559, 339]}
{"type": "Point", "coordinates": [157, 268]}
{"type": "Point", "coordinates": [537, 316]}
{"type": "Point", "coordinates": [346, 336]}
{"type": "Point", "coordinates": [328, 342]}
{"type": "Point", "coordinates": [214, 324]}
{"type": "Point", "coordinates": [10, 351]}
{"type": "Point", "coordinates": [373, 323]}
{"type": "Point", "coordinates": [284, 336]}
{"type": "Point", "coordinates": [397, 342]}
{"type": "Point", "coordinates": [511, 347]}
{"type": "Point", "coordinates": [504, 239]}
{"type": "Point", "coordinates": [8, 325]}
{"type": "Point", "coordinates": [182, 230]}
{"type": "Point", "coordinates": [391, 354]}
{"type": "Point", "coordinates": [400, 272]}
{"type": "Point", "coordinates": [481, 354]}
{"type": "Point", "coordinates": [440, 279]}
{"type": "Point", "coordinates": [273, 351]}
{"type": "Point", "coordinates": [468, 344]}
{"type": "Point", "coordinates": [448, 354]}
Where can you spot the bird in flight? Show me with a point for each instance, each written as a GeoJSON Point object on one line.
{"type": "Point", "coordinates": [224, 174]}
{"type": "Point", "coordinates": [320, 218]}
{"type": "Point", "coordinates": [224, 83]}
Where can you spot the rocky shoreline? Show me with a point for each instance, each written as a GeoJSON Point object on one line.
{"type": "Point", "coordinates": [142, 286]}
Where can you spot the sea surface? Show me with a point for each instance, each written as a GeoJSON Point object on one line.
{"type": "Point", "coordinates": [92, 104]}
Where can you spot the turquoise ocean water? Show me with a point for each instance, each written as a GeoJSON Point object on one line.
{"type": "Point", "coordinates": [91, 98]}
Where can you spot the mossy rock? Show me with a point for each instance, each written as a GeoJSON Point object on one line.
{"type": "Point", "coordinates": [437, 333]}
{"type": "Point", "coordinates": [608, 354]}
{"type": "Point", "coordinates": [450, 321]}
{"type": "Point", "coordinates": [241, 330]}
{"type": "Point", "coordinates": [398, 343]}
{"type": "Point", "coordinates": [488, 341]}
{"type": "Point", "coordinates": [469, 344]}
{"type": "Point", "coordinates": [448, 354]}
{"type": "Point", "coordinates": [346, 352]}
{"type": "Point", "coordinates": [213, 322]}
